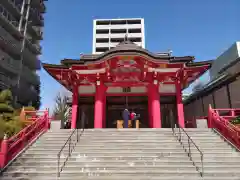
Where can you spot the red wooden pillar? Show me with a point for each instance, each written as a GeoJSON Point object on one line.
{"type": "Point", "coordinates": [74, 107]}
{"type": "Point", "coordinates": [154, 101]}
{"type": "Point", "coordinates": [4, 152]}
{"type": "Point", "coordinates": [99, 107]}
{"type": "Point", "coordinates": [180, 110]}
{"type": "Point", "coordinates": [210, 117]}
{"type": "Point", "coordinates": [104, 112]}
{"type": "Point", "coordinates": [150, 119]}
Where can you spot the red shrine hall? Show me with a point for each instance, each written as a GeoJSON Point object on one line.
{"type": "Point", "coordinates": [127, 76]}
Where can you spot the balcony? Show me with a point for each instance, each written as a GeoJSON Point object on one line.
{"type": "Point", "coordinates": [39, 4]}
{"type": "Point", "coordinates": [116, 43]}
{"type": "Point", "coordinates": [36, 17]}
{"type": "Point", "coordinates": [30, 76]}
{"type": "Point", "coordinates": [30, 59]}
{"type": "Point", "coordinates": [9, 63]}
{"type": "Point", "coordinates": [122, 26]}
{"type": "Point", "coordinates": [38, 31]}
{"type": "Point", "coordinates": [13, 46]}
{"type": "Point", "coordinates": [5, 82]}
{"type": "Point", "coordinates": [34, 48]}
{"type": "Point", "coordinates": [102, 44]}
{"type": "Point", "coordinates": [9, 42]}
{"type": "Point", "coordinates": [130, 35]}
{"type": "Point", "coordinates": [9, 22]}
{"type": "Point", "coordinates": [102, 36]}
{"type": "Point", "coordinates": [24, 93]}
{"type": "Point", "coordinates": [14, 6]}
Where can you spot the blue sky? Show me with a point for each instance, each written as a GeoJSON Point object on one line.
{"type": "Point", "coordinates": [202, 28]}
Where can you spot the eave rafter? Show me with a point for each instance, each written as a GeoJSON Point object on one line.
{"type": "Point", "coordinates": [62, 75]}
{"type": "Point", "coordinates": [141, 68]}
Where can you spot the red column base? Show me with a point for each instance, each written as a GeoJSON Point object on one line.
{"type": "Point", "coordinates": [155, 112]}
{"type": "Point", "coordinates": [99, 106]}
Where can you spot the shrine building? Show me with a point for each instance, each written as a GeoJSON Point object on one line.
{"type": "Point", "coordinates": [127, 76]}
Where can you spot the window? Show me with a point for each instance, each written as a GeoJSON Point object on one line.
{"type": "Point", "coordinates": [127, 89]}
{"type": "Point", "coordinates": [103, 22]}
{"type": "Point", "coordinates": [101, 49]}
{"type": "Point", "coordinates": [118, 31]}
{"type": "Point", "coordinates": [102, 40]}
{"type": "Point", "coordinates": [102, 31]}
{"type": "Point", "coordinates": [134, 30]}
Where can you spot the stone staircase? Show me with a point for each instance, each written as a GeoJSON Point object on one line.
{"type": "Point", "coordinates": [221, 160]}
{"type": "Point", "coordinates": [131, 154]}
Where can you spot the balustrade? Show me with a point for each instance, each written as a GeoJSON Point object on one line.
{"type": "Point", "coordinates": [5, 14]}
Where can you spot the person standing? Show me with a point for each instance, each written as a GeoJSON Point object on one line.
{"type": "Point", "coordinates": [125, 117]}
{"type": "Point", "coordinates": [134, 117]}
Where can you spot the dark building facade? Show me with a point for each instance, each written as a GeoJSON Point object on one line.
{"type": "Point", "coordinates": [221, 93]}
{"type": "Point", "coordinates": [15, 62]}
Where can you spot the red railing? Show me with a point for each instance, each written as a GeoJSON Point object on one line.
{"type": "Point", "coordinates": [220, 120]}
{"type": "Point", "coordinates": [14, 145]}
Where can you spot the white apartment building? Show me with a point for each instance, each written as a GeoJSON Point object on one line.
{"type": "Point", "coordinates": [107, 33]}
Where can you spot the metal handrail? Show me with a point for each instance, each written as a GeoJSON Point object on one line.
{"type": "Point", "coordinates": [188, 149]}
{"type": "Point", "coordinates": [71, 145]}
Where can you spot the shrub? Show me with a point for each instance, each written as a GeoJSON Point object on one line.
{"type": "Point", "coordinates": [10, 122]}
{"type": "Point", "coordinates": [236, 120]}
{"type": "Point", "coordinates": [12, 127]}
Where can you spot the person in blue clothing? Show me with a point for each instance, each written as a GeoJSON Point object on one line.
{"type": "Point", "coordinates": [126, 115]}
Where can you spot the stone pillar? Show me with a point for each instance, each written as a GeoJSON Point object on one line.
{"type": "Point", "coordinates": [154, 101]}
{"type": "Point", "coordinates": [74, 107]}
{"type": "Point", "coordinates": [180, 110]}
{"type": "Point", "coordinates": [99, 107]}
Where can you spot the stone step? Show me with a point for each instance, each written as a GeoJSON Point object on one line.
{"type": "Point", "coordinates": [133, 177]}
{"type": "Point", "coordinates": [99, 150]}
{"type": "Point", "coordinates": [115, 130]}
{"type": "Point", "coordinates": [120, 137]}
{"type": "Point", "coordinates": [115, 165]}
{"type": "Point", "coordinates": [159, 172]}
{"type": "Point", "coordinates": [118, 154]}
{"type": "Point", "coordinates": [131, 138]}
{"type": "Point", "coordinates": [113, 149]}
{"type": "Point", "coordinates": [89, 167]}
{"type": "Point", "coordinates": [132, 157]}
{"type": "Point", "coordinates": [123, 167]}
{"type": "Point", "coordinates": [126, 145]}
{"type": "Point", "coordinates": [136, 152]}
{"type": "Point", "coordinates": [107, 158]}
{"type": "Point", "coordinates": [117, 141]}
{"type": "Point", "coordinates": [106, 143]}
{"type": "Point", "coordinates": [83, 141]}
{"type": "Point", "coordinates": [72, 173]}
{"type": "Point", "coordinates": [82, 162]}
{"type": "Point", "coordinates": [203, 140]}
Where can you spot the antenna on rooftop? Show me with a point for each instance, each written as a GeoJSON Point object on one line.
{"type": "Point", "coordinates": [170, 52]}
{"type": "Point", "coordinates": [126, 37]}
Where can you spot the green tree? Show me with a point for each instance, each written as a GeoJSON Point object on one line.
{"type": "Point", "coordinates": [6, 110]}
{"type": "Point", "coordinates": [9, 118]}
{"type": "Point", "coordinates": [61, 109]}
